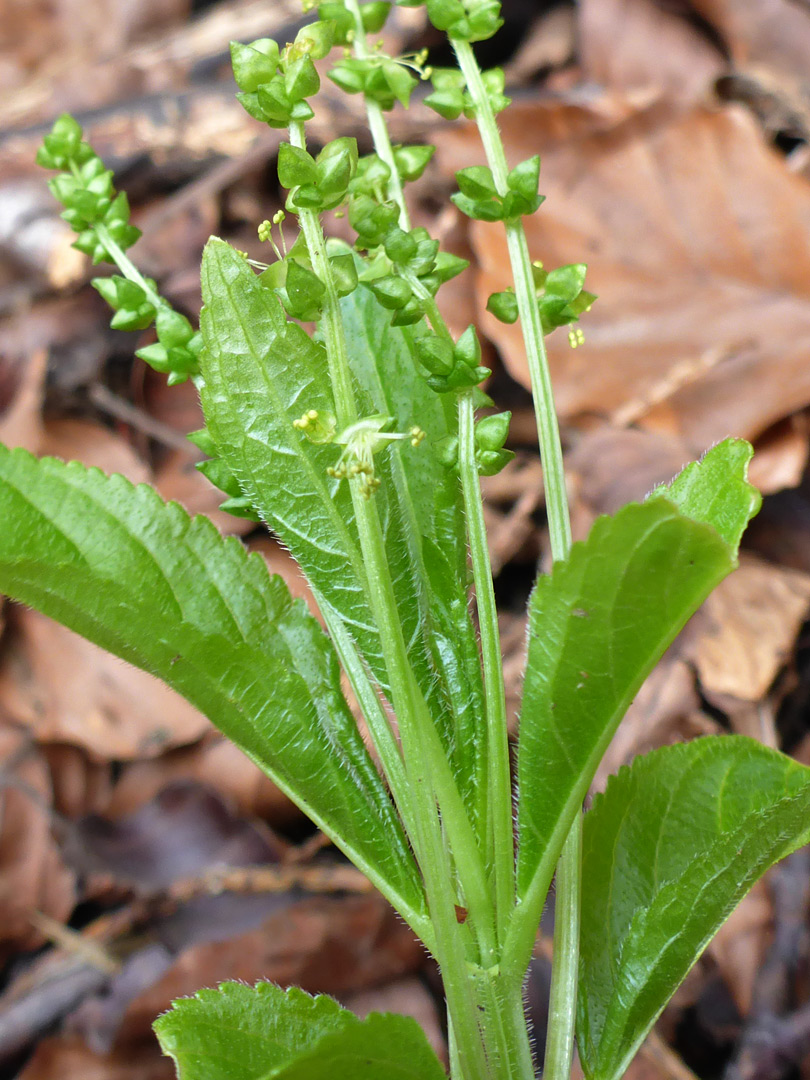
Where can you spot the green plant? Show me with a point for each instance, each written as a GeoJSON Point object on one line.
{"type": "Point", "coordinates": [350, 444]}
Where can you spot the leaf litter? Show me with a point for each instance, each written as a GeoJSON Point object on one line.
{"type": "Point", "coordinates": [674, 140]}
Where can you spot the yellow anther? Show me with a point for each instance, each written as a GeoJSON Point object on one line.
{"type": "Point", "coordinates": [279, 217]}
{"type": "Point", "coordinates": [318, 427]}
{"type": "Point", "coordinates": [576, 338]}
{"type": "Point", "coordinates": [417, 435]}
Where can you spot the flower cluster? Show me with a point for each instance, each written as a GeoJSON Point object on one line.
{"type": "Point", "coordinates": [100, 216]}
{"type": "Point", "coordinates": [561, 299]}
{"type": "Point", "coordinates": [93, 208]}
{"type": "Point", "coordinates": [478, 196]}
{"type": "Point", "coordinates": [490, 436]}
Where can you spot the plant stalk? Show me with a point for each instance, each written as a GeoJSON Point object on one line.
{"type": "Point", "coordinates": [128, 268]}
{"type": "Point", "coordinates": [498, 771]}
{"type": "Point", "coordinates": [407, 700]}
{"type": "Point", "coordinates": [566, 935]}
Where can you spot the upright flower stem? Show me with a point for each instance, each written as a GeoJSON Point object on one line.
{"type": "Point", "coordinates": [498, 795]}
{"type": "Point", "coordinates": [559, 1051]}
{"type": "Point", "coordinates": [128, 268]}
{"type": "Point", "coordinates": [376, 122]}
{"type": "Point", "coordinates": [420, 763]}
{"type": "Point", "coordinates": [498, 772]}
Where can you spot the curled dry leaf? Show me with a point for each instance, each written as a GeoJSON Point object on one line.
{"type": "Point", "coordinates": [63, 689]}
{"type": "Point", "coordinates": [636, 44]}
{"type": "Point", "coordinates": [215, 762]}
{"type": "Point", "coordinates": [773, 32]}
{"type": "Point", "coordinates": [745, 631]}
{"type": "Point", "coordinates": [702, 326]}
{"type": "Point", "coordinates": [33, 877]}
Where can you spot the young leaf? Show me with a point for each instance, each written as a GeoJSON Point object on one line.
{"type": "Point", "coordinates": [265, 1033]}
{"type": "Point", "coordinates": [261, 374]}
{"type": "Point", "coordinates": [167, 593]}
{"type": "Point", "coordinates": [672, 846]}
{"type": "Point", "coordinates": [421, 497]}
{"type": "Point", "coordinates": [598, 625]}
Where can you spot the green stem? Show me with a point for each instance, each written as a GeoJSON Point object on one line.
{"type": "Point", "coordinates": [502, 831]}
{"type": "Point", "coordinates": [563, 1003]}
{"type": "Point", "coordinates": [407, 700]}
{"type": "Point", "coordinates": [504, 1026]}
{"type": "Point", "coordinates": [564, 973]}
{"type": "Point", "coordinates": [379, 728]}
{"type": "Point", "coordinates": [377, 124]}
{"type": "Point", "coordinates": [128, 268]}
{"type": "Point", "coordinates": [498, 772]}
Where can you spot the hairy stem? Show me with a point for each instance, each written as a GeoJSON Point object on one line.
{"type": "Point", "coordinates": [498, 771]}
{"type": "Point", "coordinates": [377, 124]}
{"type": "Point", "coordinates": [128, 268]}
{"type": "Point", "coordinates": [407, 699]}
{"type": "Point", "coordinates": [498, 814]}
{"type": "Point", "coordinates": [566, 937]}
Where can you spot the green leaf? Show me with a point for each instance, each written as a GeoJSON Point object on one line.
{"type": "Point", "coordinates": [262, 374]}
{"type": "Point", "coordinates": [166, 592]}
{"type": "Point", "coordinates": [421, 499]}
{"type": "Point", "coordinates": [672, 846]}
{"type": "Point", "coordinates": [598, 625]}
{"type": "Point", "coordinates": [265, 1033]}
{"type": "Point", "coordinates": [295, 166]}
{"type": "Point", "coordinates": [715, 489]}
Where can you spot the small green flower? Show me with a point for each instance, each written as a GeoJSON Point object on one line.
{"type": "Point", "coordinates": [361, 441]}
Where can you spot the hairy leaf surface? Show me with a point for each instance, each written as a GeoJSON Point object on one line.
{"type": "Point", "coordinates": [425, 498]}
{"type": "Point", "coordinates": [261, 374]}
{"type": "Point", "coordinates": [167, 593]}
{"type": "Point", "coordinates": [598, 625]}
{"type": "Point", "coordinates": [672, 846]}
{"type": "Point", "coordinates": [264, 1033]}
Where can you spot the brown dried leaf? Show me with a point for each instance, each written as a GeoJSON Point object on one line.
{"type": "Point", "coordinates": [33, 877]}
{"type": "Point", "coordinates": [635, 44]}
{"type": "Point", "coordinates": [68, 1056]}
{"type": "Point", "coordinates": [664, 711]}
{"type": "Point", "coordinates": [92, 444]}
{"type": "Point", "coordinates": [781, 456]}
{"type": "Point", "coordinates": [21, 422]}
{"type": "Point", "coordinates": [703, 320]}
{"type": "Point", "coordinates": [745, 631]}
{"type": "Point", "coordinates": [215, 762]}
{"type": "Point", "coordinates": [64, 689]}
{"type": "Point", "coordinates": [776, 32]}
{"type": "Point", "coordinates": [614, 466]}
{"type": "Point", "coordinates": [80, 786]}
{"type": "Point", "coordinates": [182, 832]}
{"type": "Point", "coordinates": [323, 944]}
{"type": "Point", "coordinates": [740, 944]}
